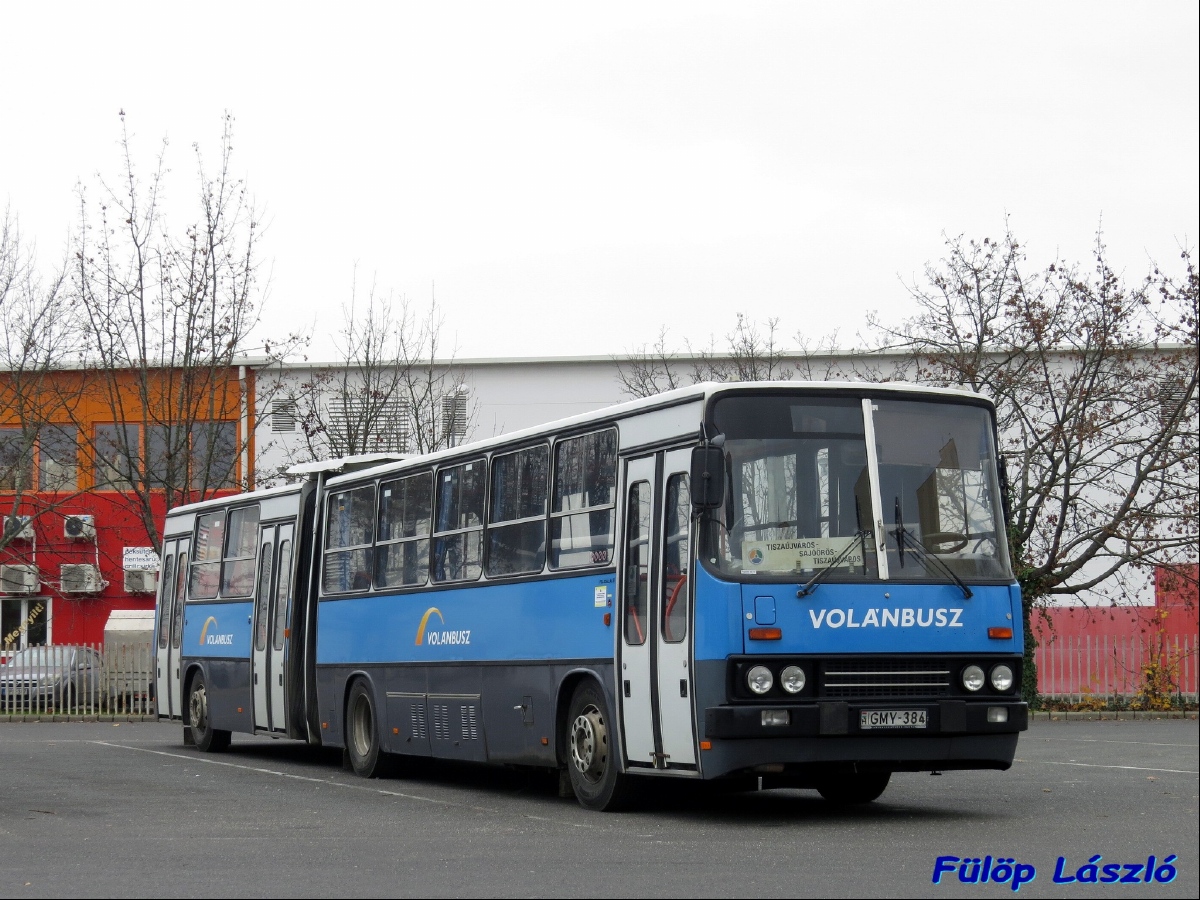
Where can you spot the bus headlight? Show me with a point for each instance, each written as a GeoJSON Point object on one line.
{"type": "Point", "coordinates": [1002, 678]}
{"type": "Point", "coordinates": [972, 678]}
{"type": "Point", "coordinates": [759, 679]}
{"type": "Point", "coordinates": [792, 679]}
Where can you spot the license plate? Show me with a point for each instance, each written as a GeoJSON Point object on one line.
{"type": "Point", "coordinates": [891, 718]}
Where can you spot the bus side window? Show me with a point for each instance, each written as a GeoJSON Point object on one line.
{"type": "Point", "coordinates": [402, 543]}
{"type": "Point", "coordinates": [458, 522]}
{"type": "Point", "coordinates": [583, 502]}
{"type": "Point", "coordinates": [637, 563]}
{"type": "Point", "coordinates": [241, 546]}
{"type": "Point", "coordinates": [349, 532]}
{"type": "Point", "coordinates": [517, 525]}
{"type": "Point", "coordinates": [206, 564]}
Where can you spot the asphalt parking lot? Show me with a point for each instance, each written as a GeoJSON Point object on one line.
{"type": "Point", "coordinates": [124, 809]}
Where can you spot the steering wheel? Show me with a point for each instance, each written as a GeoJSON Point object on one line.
{"type": "Point", "coordinates": [667, 634]}
{"type": "Point", "coordinates": [935, 539]}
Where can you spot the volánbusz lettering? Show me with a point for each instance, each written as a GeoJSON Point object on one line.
{"type": "Point", "coordinates": [878, 617]}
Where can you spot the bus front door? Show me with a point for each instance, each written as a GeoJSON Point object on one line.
{"type": "Point", "coordinates": [655, 683]}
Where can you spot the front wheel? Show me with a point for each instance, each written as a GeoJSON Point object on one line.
{"type": "Point", "coordinates": [852, 789]}
{"type": "Point", "coordinates": [591, 752]}
{"type": "Point", "coordinates": [206, 738]}
{"type": "Point", "coordinates": [362, 732]}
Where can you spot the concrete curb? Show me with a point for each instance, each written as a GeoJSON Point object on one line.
{"type": "Point", "coordinates": [1111, 715]}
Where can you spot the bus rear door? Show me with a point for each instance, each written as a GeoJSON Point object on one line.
{"type": "Point", "coordinates": [270, 607]}
{"type": "Point", "coordinates": [172, 591]}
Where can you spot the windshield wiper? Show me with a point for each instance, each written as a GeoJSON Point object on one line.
{"type": "Point", "coordinates": [925, 557]}
{"type": "Point", "coordinates": [816, 579]}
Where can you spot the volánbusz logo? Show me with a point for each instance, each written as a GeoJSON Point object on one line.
{"type": "Point", "coordinates": [439, 638]}
{"type": "Point", "coordinates": [214, 640]}
{"type": "Point", "coordinates": [896, 617]}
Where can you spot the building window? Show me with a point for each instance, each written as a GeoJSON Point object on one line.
{"type": "Point", "coordinates": [201, 456]}
{"type": "Point", "coordinates": [16, 460]}
{"type": "Point", "coordinates": [24, 622]}
{"type": "Point", "coordinates": [117, 452]}
{"type": "Point", "coordinates": [58, 458]}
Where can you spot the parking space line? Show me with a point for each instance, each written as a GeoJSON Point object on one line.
{"type": "Point", "coordinates": [1104, 741]}
{"type": "Point", "coordinates": [329, 783]}
{"type": "Point", "coordinates": [1048, 762]}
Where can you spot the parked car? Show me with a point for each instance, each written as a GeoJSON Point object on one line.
{"type": "Point", "coordinates": [49, 677]}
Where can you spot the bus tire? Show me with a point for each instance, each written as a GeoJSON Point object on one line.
{"type": "Point", "coordinates": [855, 788]}
{"type": "Point", "coordinates": [206, 738]}
{"type": "Point", "coordinates": [362, 732]}
{"type": "Point", "coordinates": [590, 749]}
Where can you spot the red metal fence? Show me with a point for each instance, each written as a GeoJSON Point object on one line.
{"type": "Point", "coordinates": [1079, 667]}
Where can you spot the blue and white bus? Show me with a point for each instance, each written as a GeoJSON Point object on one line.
{"type": "Point", "coordinates": [800, 584]}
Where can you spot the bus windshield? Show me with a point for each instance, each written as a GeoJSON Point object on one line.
{"type": "Point", "coordinates": [799, 498]}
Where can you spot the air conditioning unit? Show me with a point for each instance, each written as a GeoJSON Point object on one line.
{"type": "Point", "coordinates": [79, 528]}
{"type": "Point", "coordinates": [140, 581]}
{"type": "Point", "coordinates": [80, 578]}
{"type": "Point", "coordinates": [19, 528]}
{"type": "Point", "coordinates": [22, 579]}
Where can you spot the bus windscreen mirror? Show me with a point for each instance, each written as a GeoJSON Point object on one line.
{"type": "Point", "coordinates": [708, 477]}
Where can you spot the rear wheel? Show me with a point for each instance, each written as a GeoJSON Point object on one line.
{"type": "Point", "coordinates": [362, 732]}
{"type": "Point", "coordinates": [859, 787]}
{"type": "Point", "coordinates": [591, 752]}
{"type": "Point", "coordinates": [207, 738]}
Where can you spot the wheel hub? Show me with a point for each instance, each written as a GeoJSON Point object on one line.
{"type": "Point", "coordinates": [198, 709]}
{"type": "Point", "coordinates": [589, 743]}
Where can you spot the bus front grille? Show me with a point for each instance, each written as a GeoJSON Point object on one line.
{"type": "Point", "coordinates": [885, 677]}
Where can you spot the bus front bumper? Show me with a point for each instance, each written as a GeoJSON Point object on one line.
{"type": "Point", "coordinates": [866, 719]}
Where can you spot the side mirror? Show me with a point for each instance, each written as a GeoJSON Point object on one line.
{"type": "Point", "coordinates": [708, 476]}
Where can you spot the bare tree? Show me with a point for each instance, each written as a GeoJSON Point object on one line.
{"type": "Point", "coordinates": [1095, 384]}
{"type": "Point", "coordinates": [388, 391]}
{"type": "Point", "coordinates": [752, 354]}
{"type": "Point", "coordinates": [165, 313]}
{"type": "Point", "coordinates": [36, 336]}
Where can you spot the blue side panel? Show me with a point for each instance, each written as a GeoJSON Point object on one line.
{"type": "Point", "coordinates": [217, 630]}
{"type": "Point", "coordinates": [558, 619]}
{"type": "Point", "coordinates": [719, 625]}
{"type": "Point", "coordinates": [885, 618]}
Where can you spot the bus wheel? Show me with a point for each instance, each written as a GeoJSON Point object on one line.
{"type": "Point", "coordinates": [362, 732]}
{"type": "Point", "coordinates": [859, 787]}
{"type": "Point", "coordinates": [591, 760]}
{"type": "Point", "coordinates": [207, 738]}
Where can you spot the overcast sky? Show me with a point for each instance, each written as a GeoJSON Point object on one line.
{"type": "Point", "coordinates": [571, 177]}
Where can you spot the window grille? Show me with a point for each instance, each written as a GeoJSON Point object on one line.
{"type": "Point", "coordinates": [283, 415]}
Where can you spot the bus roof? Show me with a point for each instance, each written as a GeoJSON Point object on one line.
{"type": "Point", "coordinates": [227, 499]}
{"type": "Point", "coordinates": [702, 391]}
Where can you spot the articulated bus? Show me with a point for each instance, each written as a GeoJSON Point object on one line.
{"type": "Point", "coordinates": [780, 585]}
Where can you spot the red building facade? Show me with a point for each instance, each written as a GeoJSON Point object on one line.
{"type": "Point", "coordinates": [85, 485]}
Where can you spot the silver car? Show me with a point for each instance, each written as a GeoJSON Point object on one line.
{"type": "Point", "coordinates": [49, 678]}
